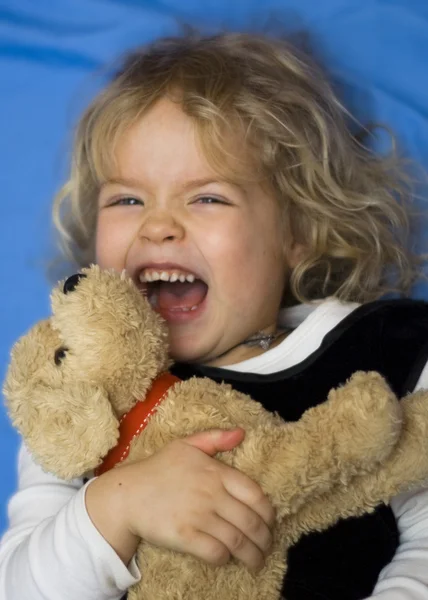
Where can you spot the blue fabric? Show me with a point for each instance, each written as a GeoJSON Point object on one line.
{"type": "Point", "coordinates": [51, 51]}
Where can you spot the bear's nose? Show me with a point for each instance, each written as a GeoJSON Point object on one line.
{"type": "Point", "coordinates": [71, 283]}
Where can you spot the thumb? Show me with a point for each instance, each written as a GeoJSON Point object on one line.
{"type": "Point", "coordinates": [216, 440]}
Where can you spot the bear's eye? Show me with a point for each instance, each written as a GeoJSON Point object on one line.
{"type": "Point", "coordinates": [60, 355]}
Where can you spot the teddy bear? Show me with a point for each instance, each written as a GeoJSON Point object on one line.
{"type": "Point", "coordinates": [89, 390]}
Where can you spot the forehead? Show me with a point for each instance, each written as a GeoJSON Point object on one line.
{"type": "Point", "coordinates": [167, 141]}
{"type": "Point", "coordinates": [164, 140]}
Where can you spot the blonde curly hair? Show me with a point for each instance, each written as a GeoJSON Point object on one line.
{"type": "Point", "coordinates": [345, 204]}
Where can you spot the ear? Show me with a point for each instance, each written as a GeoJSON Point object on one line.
{"type": "Point", "coordinates": [69, 431]}
{"type": "Point", "coordinates": [295, 253]}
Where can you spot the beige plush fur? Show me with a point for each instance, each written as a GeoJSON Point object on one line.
{"type": "Point", "coordinates": [344, 457]}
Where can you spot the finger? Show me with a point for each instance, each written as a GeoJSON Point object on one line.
{"type": "Point", "coordinates": [246, 521]}
{"type": "Point", "coordinates": [247, 491]}
{"type": "Point", "coordinates": [236, 542]}
{"type": "Point", "coordinates": [216, 440]}
{"type": "Point", "coordinates": [206, 547]}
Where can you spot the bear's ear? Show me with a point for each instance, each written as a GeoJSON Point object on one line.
{"type": "Point", "coordinates": [68, 430]}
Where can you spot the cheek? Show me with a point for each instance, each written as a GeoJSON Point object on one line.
{"type": "Point", "coordinates": [247, 261]}
{"type": "Point", "coordinates": [250, 246]}
{"type": "Point", "coordinates": [236, 255]}
{"type": "Point", "coordinates": [226, 247]}
{"type": "Point", "coordinates": [111, 242]}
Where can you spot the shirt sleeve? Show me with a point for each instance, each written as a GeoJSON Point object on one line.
{"type": "Point", "coordinates": [406, 576]}
{"type": "Point", "coordinates": [52, 549]}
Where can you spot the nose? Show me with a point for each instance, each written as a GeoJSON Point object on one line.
{"type": "Point", "coordinates": [161, 227]}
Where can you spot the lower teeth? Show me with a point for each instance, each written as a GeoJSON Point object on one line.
{"type": "Point", "coordinates": [153, 299]}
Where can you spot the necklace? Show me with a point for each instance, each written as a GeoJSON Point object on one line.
{"type": "Point", "coordinates": [264, 340]}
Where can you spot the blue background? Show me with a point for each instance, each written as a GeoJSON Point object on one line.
{"type": "Point", "coordinates": [52, 56]}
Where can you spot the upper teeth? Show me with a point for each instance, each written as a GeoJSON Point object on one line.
{"type": "Point", "coordinates": [149, 275]}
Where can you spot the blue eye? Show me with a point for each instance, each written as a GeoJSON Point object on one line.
{"type": "Point", "coordinates": [210, 200]}
{"type": "Point", "coordinates": [127, 201]}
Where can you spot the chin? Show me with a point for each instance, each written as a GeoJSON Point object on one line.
{"type": "Point", "coordinates": [184, 353]}
{"type": "Point", "coordinates": [188, 353]}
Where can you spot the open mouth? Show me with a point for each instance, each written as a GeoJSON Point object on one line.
{"type": "Point", "coordinates": [173, 293]}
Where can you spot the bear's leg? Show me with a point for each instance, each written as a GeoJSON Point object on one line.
{"type": "Point", "coordinates": [406, 467]}
{"type": "Point", "coordinates": [349, 434]}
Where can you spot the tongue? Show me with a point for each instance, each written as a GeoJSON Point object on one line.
{"type": "Point", "coordinates": [176, 296]}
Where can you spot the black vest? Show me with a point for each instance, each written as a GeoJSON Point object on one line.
{"type": "Point", "coordinates": [390, 337]}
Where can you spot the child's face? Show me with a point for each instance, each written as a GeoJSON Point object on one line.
{"type": "Point", "coordinates": [166, 210]}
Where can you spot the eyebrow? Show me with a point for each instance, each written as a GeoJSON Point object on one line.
{"type": "Point", "coordinates": [194, 183]}
{"type": "Point", "coordinates": [120, 181]}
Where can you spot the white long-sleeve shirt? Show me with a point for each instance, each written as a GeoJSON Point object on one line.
{"type": "Point", "coordinates": [52, 551]}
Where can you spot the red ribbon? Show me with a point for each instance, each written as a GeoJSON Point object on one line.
{"type": "Point", "coordinates": [135, 421]}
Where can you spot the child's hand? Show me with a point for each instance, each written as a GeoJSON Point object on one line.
{"type": "Point", "coordinates": [183, 499]}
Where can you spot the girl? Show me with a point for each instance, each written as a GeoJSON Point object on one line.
{"type": "Point", "coordinates": [221, 174]}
